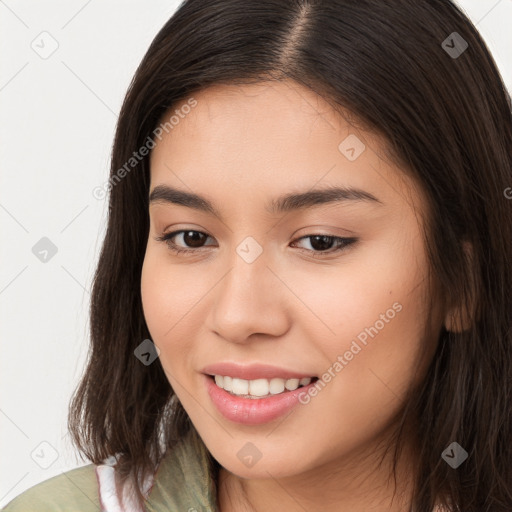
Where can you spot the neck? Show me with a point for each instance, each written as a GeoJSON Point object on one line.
{"type": "Point", "coordinates": [352, 483]}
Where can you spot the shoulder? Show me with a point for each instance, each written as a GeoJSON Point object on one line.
{"type": "Point", "coordinates": [182, 481]}
{"type": "Point", "coordinates": [75, 490]}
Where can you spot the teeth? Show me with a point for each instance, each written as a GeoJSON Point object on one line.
{"type": "Point", "coordinates": [292, 384]}
{"type": "Point", "coordinates": [228, 383]}
{"type": "Point", "coordinates": [258, 388]}
{"type": "Point", "coordinates": [240, 387]}
{"type": "Point", "coordinates": [276, 386]}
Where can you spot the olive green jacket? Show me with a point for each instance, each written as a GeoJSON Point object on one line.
{"type": "Point", "coordinates": [181, 483]}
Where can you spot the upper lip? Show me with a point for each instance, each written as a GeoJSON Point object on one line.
{"type": "Point", "coordinates": [252, 371]}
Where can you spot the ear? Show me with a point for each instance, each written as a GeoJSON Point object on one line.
{"type": "Point", "coordinates": [459, 318]}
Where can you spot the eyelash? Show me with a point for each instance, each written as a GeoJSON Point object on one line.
{"type": "Point", "coordinates": [343, 243]}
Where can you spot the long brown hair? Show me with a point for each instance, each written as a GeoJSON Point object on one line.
{"type": "Point", "coordinates": [440, 102]}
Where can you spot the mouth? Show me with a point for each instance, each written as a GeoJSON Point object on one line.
{"type": "Point", "coordinates": [259, 388]}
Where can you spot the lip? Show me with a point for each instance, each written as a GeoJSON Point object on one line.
{"type": "Point", "coordinates": [249, 411]}
{"type": "Point", "coordinates": [252, 371]}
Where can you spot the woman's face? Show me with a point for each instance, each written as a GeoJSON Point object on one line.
{"type": "Point", "coordinates": [329, 289]}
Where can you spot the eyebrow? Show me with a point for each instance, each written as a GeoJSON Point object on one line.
{"type": "Point", "coordinates": [282, 204]}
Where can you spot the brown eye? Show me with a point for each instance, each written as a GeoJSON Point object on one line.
{"type": "Point", "coordinates": [191, 238]}
{"type": "Point", "coordinates": [322, 244]}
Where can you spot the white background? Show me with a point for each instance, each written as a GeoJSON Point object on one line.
{"type": "Point", "coordinates": [58, 118]}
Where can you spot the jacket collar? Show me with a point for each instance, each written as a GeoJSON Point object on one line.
{"type": "Point", "coordinates": [184, 479]}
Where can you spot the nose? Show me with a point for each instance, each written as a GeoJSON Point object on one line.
{"type": "Point", "coordinates": [251, 299]}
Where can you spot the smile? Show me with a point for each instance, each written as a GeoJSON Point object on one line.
{"type": "Point", "coordinates": [259, 388]}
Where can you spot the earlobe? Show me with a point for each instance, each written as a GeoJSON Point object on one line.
{"type": "Point", "coordinates": [461, 317]}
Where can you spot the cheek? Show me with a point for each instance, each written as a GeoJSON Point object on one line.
{"type": "Point", "coordinates": [168, 292]}
{"type": "Point", "coordinates": [171, 297]}
{"type": "Point", "coordinates": [370, 312]}
{"type": "Point", "coordinates": [368, 325]}
{"type": "Point", "coordinates": [155, 300]}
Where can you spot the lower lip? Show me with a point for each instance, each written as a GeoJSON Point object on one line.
{"type": "Point", "coordinates": [253, 411]}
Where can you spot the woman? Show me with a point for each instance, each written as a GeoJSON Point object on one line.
{"type": "Point", "coordinates": [302, 299]}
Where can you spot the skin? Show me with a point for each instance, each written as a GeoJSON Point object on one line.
{"type": "Point", "coordinates": [240, 146]}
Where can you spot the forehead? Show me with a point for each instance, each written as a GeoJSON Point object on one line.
{"type": "Point", "coordinates": [254, 110]}
{"type": "Point", "coordinates": [267, 138]}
